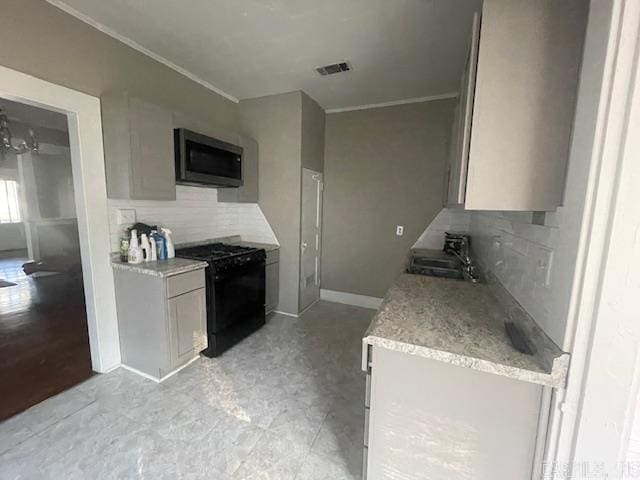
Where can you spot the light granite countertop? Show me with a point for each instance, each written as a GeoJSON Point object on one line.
{"type": "Point", "coordinates": [163, 268]}
{"type": "Point", "coordinates": [462, 323]}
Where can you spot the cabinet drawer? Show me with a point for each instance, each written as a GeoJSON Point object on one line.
{"type": "Point", "coordinates": [185, 282]}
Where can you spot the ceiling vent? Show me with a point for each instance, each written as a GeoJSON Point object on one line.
{"type": "Point", "coordinates": [334, 68]}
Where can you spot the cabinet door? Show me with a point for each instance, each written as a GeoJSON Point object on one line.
{"type": "Point", "coordinates": [528, 70]}
{"type": "Point", "coordinates": [432, 420]}
{"type": "Point", "coordinates": [271, 286]}
{"type": "Point", "coordinates": [152, 154]}
{"type": "Point", "coordinates": [188, 327]}
{"type": "Point", "coordinates": [457, 181]}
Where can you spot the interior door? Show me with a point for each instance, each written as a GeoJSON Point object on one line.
{"type": "Point", "coordinates": [311, 236]}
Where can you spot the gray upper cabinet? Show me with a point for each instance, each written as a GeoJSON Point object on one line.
{"type": "Point", "coordinates": [138, 148]}
{"type": "Point", "coordinates": [461, 133]}
{"type": "Point", "coordinates": [517, 130]}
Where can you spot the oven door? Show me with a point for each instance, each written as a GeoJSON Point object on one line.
{"type": "Point", "coordinates": [238, 296]}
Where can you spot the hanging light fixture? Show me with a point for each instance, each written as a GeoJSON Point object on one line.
{"type": "Point", "coordinates": [30, 144]}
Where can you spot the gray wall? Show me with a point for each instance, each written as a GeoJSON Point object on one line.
{"type": "Point", "coordinates": [50, 44]}
{"type": "Point", "coordinates": [12, 236]}
{"type": "Point", "coordinates": [275, 123]}
{"type": "Point", "coordinates": [383, 167]}
{"type": "Point", "coordinates": [313, 130]}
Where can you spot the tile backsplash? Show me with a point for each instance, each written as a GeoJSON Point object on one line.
{"type": "Point", "coordinates": [520, 253]}
{"type": "Point", "coordinates": [195, 215]}
{"type": "Point", "coordinates": [448, 220]}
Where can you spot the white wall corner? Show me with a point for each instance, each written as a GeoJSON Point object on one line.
{"type": "Point", "coordinates": [449, 219]}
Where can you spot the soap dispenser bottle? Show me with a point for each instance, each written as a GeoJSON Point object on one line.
{"type": "Point", "coordinates": [168, 242]}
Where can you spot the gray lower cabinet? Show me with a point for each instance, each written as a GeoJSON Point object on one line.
{"type": "Point", "coordinates": [272, 281]}
{"type": "Point", "coordinates": [138, 148]}
{"type": "Point", "coordinates": [161, 320]}
{"type": "Point", "coordinates": [433, 420]}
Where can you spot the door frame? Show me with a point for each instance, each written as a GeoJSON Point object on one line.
{"type": "Point", "coordinates": [301, 310]}
{"type": "Point", "coordinates": [87, 161]}
{"type": "Point", "coordinates": [594, 416]}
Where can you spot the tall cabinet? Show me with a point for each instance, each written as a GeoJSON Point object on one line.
{"type": "Point", "coordinates": [516, 107]}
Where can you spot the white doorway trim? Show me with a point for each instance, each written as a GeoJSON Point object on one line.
{"type": "Point", "coordinates": [591, 425]}
{"type": "Point", "coordinates": [87, 160]}
{"type": "Point", "coordinates": [311, 196]}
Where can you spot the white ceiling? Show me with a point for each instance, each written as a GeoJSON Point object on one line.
{"type": "Point", "coordinates": [399, 49]}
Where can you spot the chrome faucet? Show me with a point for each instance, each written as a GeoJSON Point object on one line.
{"type": "Point", "coordinates": [469, 270]}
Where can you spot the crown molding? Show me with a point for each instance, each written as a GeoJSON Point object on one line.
{"type": "Point", "coordinates": [127, 41]}
{"type": "Point", "coordinates": [429, 98]}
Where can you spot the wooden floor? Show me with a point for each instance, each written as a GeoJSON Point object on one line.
{"type": "Point", "coordinates": [44, 344]}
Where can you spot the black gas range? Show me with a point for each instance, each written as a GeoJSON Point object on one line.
{"type": "Point", "coordinates": [235, 283]}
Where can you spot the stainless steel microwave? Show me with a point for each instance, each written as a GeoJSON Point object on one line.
{"type": "Point", "coordinates": [206, 161]}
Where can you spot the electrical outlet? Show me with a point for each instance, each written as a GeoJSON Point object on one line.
{"type": "Point", "coordinates": [126, 216]}
{"type": "Point", "coordinates": [399, 230]}
{"type": "Point", "coordinates": [544, 262]}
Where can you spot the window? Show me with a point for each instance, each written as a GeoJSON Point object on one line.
{"type": "Point", "coordinates": [9, 203]}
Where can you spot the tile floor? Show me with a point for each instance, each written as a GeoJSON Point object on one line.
{"type": "Point", "coordinates": [286, 403]}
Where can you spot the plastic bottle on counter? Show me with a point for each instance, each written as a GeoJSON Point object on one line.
{"type": "Point", "coordinates": [160, 248]}
{"type": "Point", "coordinates": [154, 255]}
{"type": "Point", "coordinates": [146, 247]}
{"type": "Point", "coordinates": [135, 252]}
{"type": "Point", "coordinates": [171, 250]}
{"type": "Point", "coordinates": [124, 246]}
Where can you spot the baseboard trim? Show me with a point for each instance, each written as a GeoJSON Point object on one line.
{"type": "Point", "coordinates": [109, 369]}
{"type": "Point", "coordinates": [307, 308]}
{"type": "Point", "coordinates": [350, 299]}
{"type": "Point", "coordinates": [155, 379]}
{"type": "Point", "coordinates": [286, 314]}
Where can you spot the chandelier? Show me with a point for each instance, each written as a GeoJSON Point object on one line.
{"type": "Point", "coordinates": [30, 144]}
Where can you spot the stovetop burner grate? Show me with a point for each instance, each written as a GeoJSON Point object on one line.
{"type": "Point", "coordinates": [213, 251]}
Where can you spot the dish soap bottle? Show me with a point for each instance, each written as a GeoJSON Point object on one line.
{"type": "Point", "coordinates": [161, 252]}
{"type": "Point", "coordinates": [135, 252]}
{"type": "Point", "coordinates": [171, 250]}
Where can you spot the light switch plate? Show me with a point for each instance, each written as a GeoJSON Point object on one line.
{"type": "Point", "coordinates": [126, 216]}
{"type": "Point", "coordinates": [399, 230]}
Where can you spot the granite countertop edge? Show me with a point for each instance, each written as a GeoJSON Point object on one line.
{"type": "Point", "coordinates": [555, 379]}
{"type": "Point", "coordinates": [394, 327]}
{"type": "Point", "coordinates": [162, 269]}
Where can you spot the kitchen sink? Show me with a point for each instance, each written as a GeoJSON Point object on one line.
{"type": "Point", "coordinates": [436, 265]}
